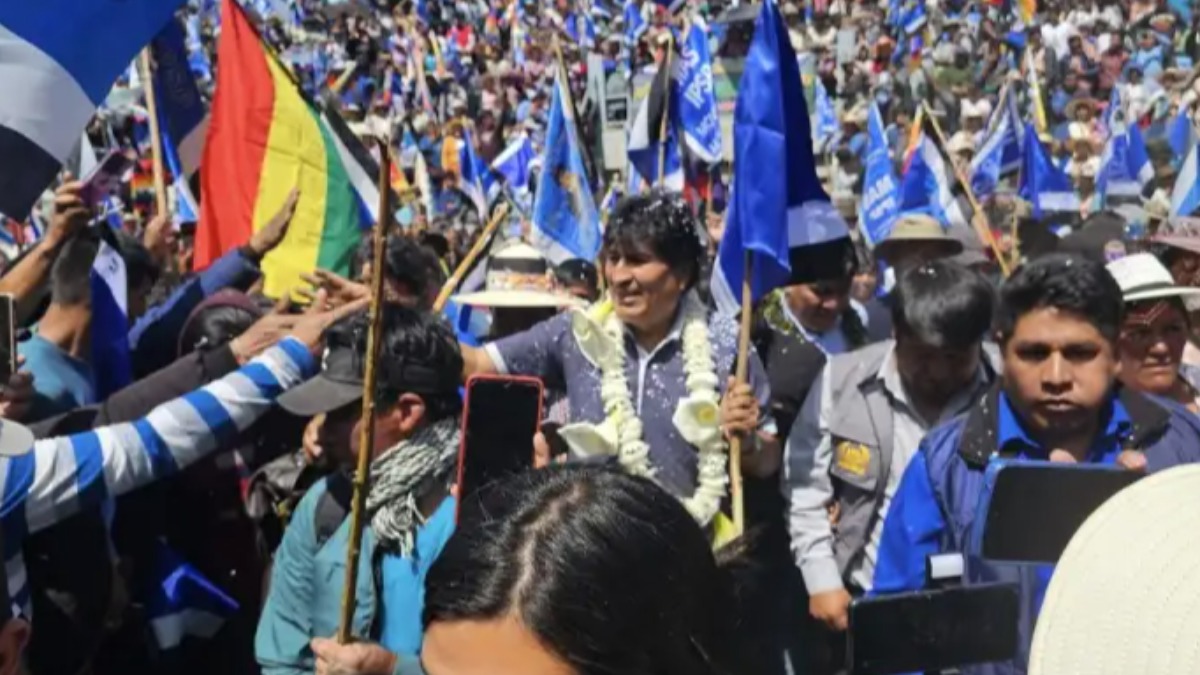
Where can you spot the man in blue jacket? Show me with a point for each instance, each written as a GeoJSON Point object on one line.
{"type": "Point", "coordinates": [409, 512]}
{"type": "Point", "coordinates": [1057, 400]}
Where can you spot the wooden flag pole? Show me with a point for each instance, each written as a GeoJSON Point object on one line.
{"type": "Point", "coordinates": [984, 233]}
{"type": "Point", "coordinates": [743, 366]}
{"type": "Point", "coordinates": [367, 431]}
{"type": "Point", "coordinates": [156, 150]}
{"type": "Point", "coordinates": [455, 279]}
{"type": "Point", "coordinates": [666, 112]}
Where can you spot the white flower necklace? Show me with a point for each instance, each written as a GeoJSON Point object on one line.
{"type": "Point", "coordinates": [600, 336]}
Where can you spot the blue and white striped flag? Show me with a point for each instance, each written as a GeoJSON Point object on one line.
{"type": "Point", "coordinates": [110, 320]}
{"type": "Point", "coordinates": [926, 186]}
{"type": "Point", "coordinates": [1185, 197]}
{"type": "Point", "coordinates": [60, 60]}
{"type": "Point", "coordinates": [515, 163]}
{"type": "Point", "coordinates": [635, 25]}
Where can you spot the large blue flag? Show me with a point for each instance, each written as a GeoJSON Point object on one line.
{"type": "Point", "coordinates": [777, 201]}
{"type": "Point", "coordinates": [60, 60]}
{"type": "Point", "coordinates": [697, 99]}
{"type": "Point", "coordinates": [1043, 183]}
{"type": "Point", "coordinates": [879, 204]}
{"type": "Point", "coordinates": [565, 221]}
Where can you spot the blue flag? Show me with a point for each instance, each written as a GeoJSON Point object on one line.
{"type": "Point", "coordinates": [1185, 197]}
{"type": "Point", "coordinates": [827, 125]}
{"type": "Point", "coordinates": [476, 180]}
{"type": "Point", "coordinates": [925, 187]}
{"type": "Point", "coordinates": [1125, 167]}
{"type": "Point", "coordinates": [182, 114]}
{"type": "Point", "coordinates": [879, 204]}
{"type": "Point", "coordinates": [182, 603]}
{"type": "Point", "coordinates": [1001, 151]}
{"type": "Point", "coordinates": [650, 152]}
{"type": "Point", "coordinates": [1043, 184]}
{"type": "Point", "coordinates": [1180, 135]}
{"type": "Point", "coordinates": [697, 99]}
{"type": "Point", "coordinates": [777, 201]}
{"type": "Point", "coordinates": [635, 25]}
{"type": "Point", "coordinates": [565, 221]}
{"type": "Point", "coordinates": [110, 321]}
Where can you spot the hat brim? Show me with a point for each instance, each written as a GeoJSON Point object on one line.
{"type": "Point", "coordinates": [1159, 293]}
{"type": "Point", "coordinates": [318, 396]}
{"type": "Point", "coordinates": [15, 439]}
{"type": "Point", "coordinates": [1190, 244]}
{"type": "Point", "coordinates": [517, 298]}
{"type": "Point", "coordinates": [952, 247]}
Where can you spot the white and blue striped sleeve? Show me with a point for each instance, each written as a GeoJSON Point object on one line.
{"type": "Point", "coordinates": [68, 474]}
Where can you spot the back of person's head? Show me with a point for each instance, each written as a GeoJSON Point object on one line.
{"type": "Point", "coordinates": [608, 572]}
{"type": "Point", "coordinates": [217, 320]}
{"type": "Point", "coordinates": [1079, 286]}
{"type": "Point", "coordinates": [661, 223]}
{"type": "Point", "coordinates": [578, 273]}
{"type": "Point", "coordinates": [141, 271]}
{"type": "Point", "coordinates": [414, 267]}
{"type": "Point", "coordinates": [418, 354]}
{"type": "Point", "coordinates": [943, 304]}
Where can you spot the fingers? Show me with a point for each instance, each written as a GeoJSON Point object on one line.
{"type": "Point", "coordinates": [323, 648]}
{"type": "Point", "coordinates": [319, 303]}
{"type": "Point", "coordinates": [541, 451]}
{"type": "Point", "coordinates": [282, 305]}
{"type": "Point", "coordinates": [339, 313]}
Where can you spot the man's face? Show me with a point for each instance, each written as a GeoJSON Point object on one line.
{"type": "Point", "coordinates": [819, 306]}
{"type": "Point", "coordinates": [644, 289]}
{"type": "Point", "coordinates": [934, 374]}
{"type": "Point", "coordinates": [1058, 371]}
{"type": "Point", "coordinates": [337, 438]}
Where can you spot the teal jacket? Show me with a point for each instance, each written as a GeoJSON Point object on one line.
{"type": "Point", "coordinates": [305, 596]}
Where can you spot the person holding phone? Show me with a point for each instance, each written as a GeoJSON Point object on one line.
{"type": "Point", "coordinates": [1058, 399]}
{"type": "Point", "coordinates": [409, 510]}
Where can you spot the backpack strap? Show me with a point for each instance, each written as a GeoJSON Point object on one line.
{"type": "Point", "coordinates": [333, 506]}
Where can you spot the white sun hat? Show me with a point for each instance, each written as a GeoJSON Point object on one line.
{"type": "Point", "coordinates": [518, 276]}
{"type": "Point", "coordinates": [1125, 596]}
{"type": "Point", "coordinates": [1142, 277]}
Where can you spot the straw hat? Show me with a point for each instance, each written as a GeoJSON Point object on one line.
{"type": "Point", "coordinates": [1123, 596]}
{"type": "Point", "coordinates": [1142, 277]}
{"type": "Point", "coordinates": [914, 227]}
{"type": "Point", "coordinates": [961, 142]}
{"type": "Point", "coordinates": [518, 276]}
{"type": "Point", "coordinates": [1078, 102]}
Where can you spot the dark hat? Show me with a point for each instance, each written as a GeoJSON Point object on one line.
{"type": "Point", "coordinates": [337, 385]}
{"type": "Point", "coordinates": [819, 244]}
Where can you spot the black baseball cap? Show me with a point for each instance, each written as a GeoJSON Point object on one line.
{"type": "Point", "coordinates": [338, 385]}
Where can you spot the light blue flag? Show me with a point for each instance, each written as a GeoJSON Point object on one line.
{"type": "Point", "coordinates": [62, 57]}
{"type": "Point", "coordinates": [110, 320]}
{"type": "Point", "coordinates": [1185, 197]}
{"type": "Point", "coordinates": [777, 202]}
{"type": "Point", "coordinates": [565, 221]}
{"type": "Point", "coordinates": [1044, 185]}
{"type": "Point", "coordinates": [697, 99]}
{"type": "Point", "coordinates": [1180, 135]}
{"type": "Point", "coordinates": [827, 125]}
{"type": "Point", "coordinates": [514, 164]}
{"type": "Point", "coordinates": [476, 180]}
{"type": "Point", "coordinates": [879, 203]}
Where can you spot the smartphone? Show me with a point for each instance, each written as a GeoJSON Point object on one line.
{"type": "Point", "coordinates": [502, 415]}
{"type": "Point", "coordinates": [105, 178]}
{"type": "Point", "coordinates": [932, 630]}
{"type": "Point", "coordinates": [8, 337]}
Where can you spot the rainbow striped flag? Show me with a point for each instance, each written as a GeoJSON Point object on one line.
{"type": "Point", "coordinates": [266, 138]}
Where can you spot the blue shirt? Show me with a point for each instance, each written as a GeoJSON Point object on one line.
{"type": "Point", "coordinates": [62, 382]}
{"type": "Point", "coordinates": [915, 526]}
{"type": "Point", "coordinates": [403, 585]}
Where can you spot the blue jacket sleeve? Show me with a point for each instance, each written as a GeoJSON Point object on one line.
{"type": "Point", "coordinates": [154, 338]}
{"type": "Point", "coordinates": [912, 532]}
{"type": "Point", "coordinates": [285, 626]}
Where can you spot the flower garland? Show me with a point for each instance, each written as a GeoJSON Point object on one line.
{"type": "Point", "coordinates": [600, 336]}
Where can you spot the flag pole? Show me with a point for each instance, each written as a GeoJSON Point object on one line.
{"type": "Point", "coordinates": [367, 432]}
{"type": "Point", "coordinates": [743, 365]}
{"type": "Point", "coordinates": [156, 150]}
{"type": "Point", "coordinates": [666, 112]}
{"type": "Point", "coordinates": [455, 279]}
{"type": "Point", "coordinates": [984, 233]}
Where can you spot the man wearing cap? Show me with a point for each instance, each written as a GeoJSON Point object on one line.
{"type": "Point", "coordinates": [1057, 400]}
{"type": "Point", "coordinates": [409, 513]}
{"type": "Point", "coordinates": [862, 423]}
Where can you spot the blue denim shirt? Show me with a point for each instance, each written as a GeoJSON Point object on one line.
{"type": "Point", "coordinates": [656, 378]}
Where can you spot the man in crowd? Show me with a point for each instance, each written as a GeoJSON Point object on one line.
{"type": "Point", "coordinates": [1057, 400]}
{"type": "Point", "coordinates": [862, 423]}
{"type": "Point", "coordinates": [409, 511]}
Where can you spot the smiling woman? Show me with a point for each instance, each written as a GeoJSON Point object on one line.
{"type": "Point", "coordinates": [577, 571]}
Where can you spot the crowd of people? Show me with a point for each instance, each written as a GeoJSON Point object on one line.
{"type": "Point", "coordinates": [195, 517]}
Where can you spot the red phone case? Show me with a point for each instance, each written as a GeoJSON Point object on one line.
{"type": "Point", "coordinates": [462, 444]}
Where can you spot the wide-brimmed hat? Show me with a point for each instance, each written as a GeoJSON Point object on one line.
{"type": "Point", "coordinates": [1080, 102]}
{"type": "Point", "coordinates": [961, 142]}
{"type": "Point", "coordinates": [1123, 596]}
{"type": "Point", "coordinates": [518, 276]}
{"type": "Point", "coordinates": [915, 227]}
{"type": "Point", "coordinates": [1142, 277]}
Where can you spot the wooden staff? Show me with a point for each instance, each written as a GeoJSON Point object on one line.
{"type": "Point", "coordinates": [984, 233]}
{"type": "Point", "coordinates": [367, 431]}
{"type": "Point", "coordinates": [156, 152]}
{"type": "Point", "coordinates": [455, 279]}
{"type": "Point", "coordinates": [666, 112]}
{"type": "Point", "coordinates": [743, 365]}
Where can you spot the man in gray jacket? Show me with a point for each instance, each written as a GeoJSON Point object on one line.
{"type": "Point", "coordinates": [863, 420]}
